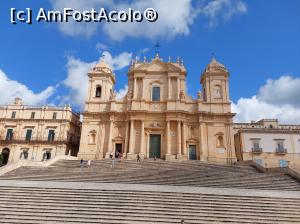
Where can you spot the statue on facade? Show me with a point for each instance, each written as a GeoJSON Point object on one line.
{"type": "Point", "coordinates": [182, 95]}
{"type": "Point", "coordinates": [199, 94]}
{"type": "Point", "coordinates": [129, 95]}
{"type": "Point", "coordinates": [113, 95]}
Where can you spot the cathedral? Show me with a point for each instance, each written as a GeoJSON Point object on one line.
{"type": "Point", "coordinates": [157, 118]}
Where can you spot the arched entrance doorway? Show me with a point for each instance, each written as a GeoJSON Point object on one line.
{"type": "Point", "coordinates": [5, 155]}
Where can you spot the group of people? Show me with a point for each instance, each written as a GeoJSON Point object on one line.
{"type": "Point", "coordinates": [88, 163]}
{"type": "Point", "coordinates": [118, 155]}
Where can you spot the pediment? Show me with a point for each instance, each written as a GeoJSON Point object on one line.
{"type": "Point", "coordinates": [158, 66]}
{"type": "Point", "coordinates": [192, 140]}
{"type": "Point", "coordinates": [118, 138]}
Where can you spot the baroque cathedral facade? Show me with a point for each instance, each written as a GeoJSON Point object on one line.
{"type": "Point", "coordinates": [157, 118]}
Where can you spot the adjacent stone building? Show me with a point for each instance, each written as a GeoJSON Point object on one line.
{"type": "Point", "coordinates": [268, 143]}
{"type": "Point", "coordinates": [157, 118]}
{"type": "Point", "coordinates": [37, 133]}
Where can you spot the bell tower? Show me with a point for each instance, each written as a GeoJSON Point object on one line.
{"type": "Point", "coordinates": [214, 81]}
{"type": "Point", "coordinates": [101, 83]}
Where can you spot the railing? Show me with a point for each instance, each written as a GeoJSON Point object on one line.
{"type": "Point", "coordinates": [20, 163]}
{"type": "Point", "coordinates": [34, 140]}
{"type": "Point", "coordinates": [257, 150]}
{"type": "Point", "coordinates": [281, 150]}
{"type": "Point", "coordinates": [259, 126]}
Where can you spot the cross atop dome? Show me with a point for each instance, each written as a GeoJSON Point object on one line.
{"type": "Point", "coordinates": [157, 46]}
{"type": "Point", "coordinates": [102, 62]}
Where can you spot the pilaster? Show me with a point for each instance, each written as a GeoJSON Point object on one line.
{"type": "Point", "coordinates": [179, 140]}
{"type": "Point", "coordinates": [130, 154]}
{"type": "Point", "coordinates": [203, 142]}
{"type": "Point", "coordinates": [142, 150]}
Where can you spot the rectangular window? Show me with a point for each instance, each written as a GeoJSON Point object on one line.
{"type": "Point", "coordinates": [13, 115]}
{"type": "Point", "coordinates": [24, 154]}
{"type": "Point", "coordinates": [54, 115]}
{"type": "Point", "coordinates": [32, 115]}
{"type": "Point", "coordinates": [9, 134]}
{"type": "Point", "coordinates": [256, 145]}
{"type": "Point", "coordinates": [282, 163]}
{"type": "Point", "coordinates": [280, 146]}
{"type": "Point", "coordinates": [51, 135]}
{"type": "Point", "coordinates": [155, 93]}
{"type": "Point", "coordinates": [28, 135]}
{"type": "Point", "coordinates": [259, 161]}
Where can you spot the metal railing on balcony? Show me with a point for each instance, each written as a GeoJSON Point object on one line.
{"type": "Point", "coordinates": [45, 140]}
{"type": "Point", "coordinates": [257, 150]}
{"type": "Point", "coordinates": [281, 150]}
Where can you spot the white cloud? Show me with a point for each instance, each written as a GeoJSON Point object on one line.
{"type": "Point", "coordinates": [122, 92]}
{"type": "Point", "coordinates": [283, 91]}
{"type": "Point", "coordinates": [100, 47]}
{"type": "Point", "coordinates": [174, 17]}
{"type": "Point", "coordinates": [10, 89]}
{"type": "Point", "coordinates": [222, 10]}
{"type": "Point", "coordinates": [120, 61]}
{"type": "Point", "coordinates": [276, 99]}
{"type": "Point", "coordinates": [77, 79]}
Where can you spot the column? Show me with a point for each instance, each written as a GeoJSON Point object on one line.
{"type": "Point", "coordinates": [203, 142]}
{"type": "Point", "coordinates": [168, 138]}
{"type": "Point", "coordinates": [143, 94]}
{"type": "Point", "coordinates": [178, 88]}
{"type": "Point", "coordinates": [179, 139]}
{"type": "Point", "coordinates": [101, 138]}
{"type": "Point", "coordinates": [142, 150]}
{"type": "Point", "coordinates": [134, 88]}
{"type": "Point", "coordinates": [126, 139]}
{"type": "Point", "coordinates": [131, 140]}
{"type": "Point", "coordinates": [109, 145]}
{"type": "Point", "coordinates": [169, 88]}
{"type": "Point", "coordinates": [183, 143]}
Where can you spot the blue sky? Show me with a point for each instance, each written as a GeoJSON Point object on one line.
{"type": "Point", "coordinates": [256, 40]}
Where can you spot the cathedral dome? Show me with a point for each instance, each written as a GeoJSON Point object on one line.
{"type": "Point", "coordinates": [215, 66]}
{"type": "Point", "coordinates": [102, 66]}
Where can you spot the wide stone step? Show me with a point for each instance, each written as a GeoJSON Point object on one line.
{"type": "Point", "coordinates": [145, 194]}
{"type": "Point", "coordinates": [156, 203]}
{"type": "Point", "coordinates": [72, 194]}
{"type": "Point", "coordinates": [135, 216]}
{"type": "Point", "coordinates": [194, 176]}
{"type": "Point", "coordinates": [164, 210]}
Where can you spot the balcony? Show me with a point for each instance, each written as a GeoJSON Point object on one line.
{"type": "Point", "coordinates": [257, 150]}
{"type": "Point", "coordinates": [281, 151]}
{"type": "Point", "coordinates": [37, 140]}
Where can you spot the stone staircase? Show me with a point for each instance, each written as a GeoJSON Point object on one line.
{"type": "Point", "coordinates": [184, 173]}
{"type": "Point", "coordinates": [81, 204]}
{"type": "Point", "coordinates": [148, 192]}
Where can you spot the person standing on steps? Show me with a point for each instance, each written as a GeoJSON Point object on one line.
{"type": "Point", "coordinates": [112, 161]}
{"type": "Point", "coordinates": [81, 163]}
{"type": "Point", "coordinates": [138, 158]}
{"type": "Point", "coordinates": [89, 163]}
